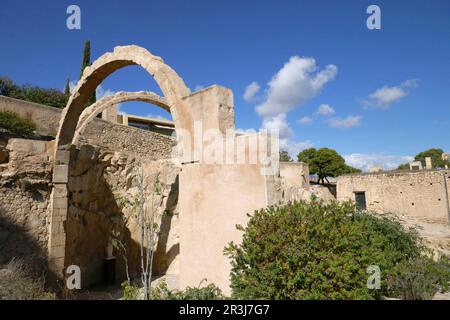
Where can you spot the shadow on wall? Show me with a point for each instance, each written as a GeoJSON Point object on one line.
{"type": "Point", "coordinates": [17, 243]}
{"type": "Point", "coordinates": [96, 181]}
{"type": "Point", "coordinates": [93, 214]}
{"type": "Point", "coordinates": [165, 256]}
{"type": "Point", "coordinates": [29, 275]}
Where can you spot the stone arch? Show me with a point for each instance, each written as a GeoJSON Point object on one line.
{"type": "Point", "coordinates": [92, 111]}
{"type": "Point", "coordinates": [171, 85]}
{"type": "Point", "coordinates": [174, 90]}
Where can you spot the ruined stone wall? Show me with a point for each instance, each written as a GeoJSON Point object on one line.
{"type": "Point", "coordinates": [102, 176]}
{"type": "Point", "coordinates": [108, 135]}
{"type": "Point", "coordinates": [99, 132]}
{"type": "Point", "coordinates": [103, 186]}
{"type": "Point", "coordinates": [24, 202]}
{"type": "Point", "coordinates": [420, 193]}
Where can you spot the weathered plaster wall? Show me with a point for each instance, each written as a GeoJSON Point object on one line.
{"type": "Point", "coordinates": [418, 193]}
{"type": "Point", "coordinates": [208, 224]}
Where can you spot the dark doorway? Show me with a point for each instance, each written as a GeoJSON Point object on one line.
{"type": "Point", "coordinates": [360, 198]}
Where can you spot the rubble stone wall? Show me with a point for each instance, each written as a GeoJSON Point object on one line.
{"type": "Point", "coordinates": [416, 193]}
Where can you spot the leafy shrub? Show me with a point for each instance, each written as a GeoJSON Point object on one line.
{"type": "Point", "coordinates": [12, 122]}
{"type": "Point", "coordinates": [162, 292]}
{"type": "Point", "coordinates": [17, 282]}
{"type": "Point", "coordinates": [322, 251]}
{"type": "Point", "coordinates": [417, 279]}
{"type": "Point", "coordinates": [209, 292]}
{"type": "Point", "coordinates": [49, 97]}
{"type": "Point", "coordinates": [130, 292]}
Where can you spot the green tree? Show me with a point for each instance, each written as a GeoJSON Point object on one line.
{"type": "Point", "coordinates": [436, 157]}
{"type": "Point", "coordinates": [403, 166]}
{"type": "Point", "coordinates": [325, 163]}
{"type": "Point", "coordinates": [67, 89]}
{"type": "Point", "coordinates": [85, 63]}
{"type": "Point", "coordinates": [284, 156]}
{"type": "Point", "coordinates": [322, 251]}
{"type": "Point", "coordinates": [17, 125]}
{"type": "Point", "coordinates": [27, 92]}
{"type": "Point", "coordinates": [350, 169]}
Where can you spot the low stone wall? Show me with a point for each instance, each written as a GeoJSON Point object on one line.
{"type": "Point", "coordinates": [111, 136]}
{"type": "Point", "coordinates": [416, 193]}
{"type": "Point", "coordinates": [99, 132]}
{"type": "Point", "coordinates": [45, 118]}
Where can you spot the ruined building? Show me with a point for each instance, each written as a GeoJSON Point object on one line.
{"type": "Point", "coordinates": [66, 197]}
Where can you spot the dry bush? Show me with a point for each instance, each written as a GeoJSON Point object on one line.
{"type": "Point", "coordinates": [17, 282]}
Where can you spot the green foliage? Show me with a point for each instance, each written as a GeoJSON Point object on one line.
{"type": "Point", "coordinates": [403, 166]}
{"type": "Point", "coordinates": [19, 282]}
{"type": "Point", "coordinates": [436, 157]}
{"type": "Point", "coordinates": [12, 122]}
{"type": "Point", "coordinates": [85, 63]}
{"type": "Point", "coordinates": [417, 279]}
{"type": "Point", "coordinates": [129, 291]}
{"type": "Point", "coordinates": [49, 97]}
{"type": "Point", "coordinates": [86, 57]}
{"type": "Point", "coordinates": [162, 292]}
{"type": "Point", "coordinates": [284, 156]}
{"type": "Point", "coordinates": [349, 169]}
{"type": "Point", "coordinates": [325, 162]}
{"type": "Point", "coordinates": [67, 89]}
{"type": "Point", "coordinates": [209, 292]}
{"type": "Point", "coordinates": [322, 251]}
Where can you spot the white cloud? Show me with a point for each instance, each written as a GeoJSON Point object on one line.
{"type": "Point", "coordinates": [325, 110]}
{"type": "Point", "coordinates": [294, 147]}
{"type": "Point", "coordinates": [278, 123]}
{"type": "Point", "coordinates": [251, 90]}
{"type": "Point", "coordinates": [286, 135]}
{"type": "Point", "coordinates": [298, 81]}
{"type": "Point", "coordinates": [349, 122]}
{"type": "Point", "coordinates": [305, 120]}
{"type": "Point", "coordinates": [119, 110]}
{"type": "Point", "coordinates": [384, 97]}
{"type": "Point", "coordinates": [245, 131]}
{"type": "Point", "coordinates": [158, 117]}
{"type": "Point", "coordinates": [72, 85]}
{"type": "Point", "coordinates": [102, 93]}
{"type": "Point", "coordinates": [198, 87]}
{"type": "Point", "coordinates": [366, 161]}
{"type": "Point", "coordinates": [410, 83]}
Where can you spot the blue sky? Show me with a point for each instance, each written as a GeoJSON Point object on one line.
{"type": "Point", "coordinates": [385, 94]}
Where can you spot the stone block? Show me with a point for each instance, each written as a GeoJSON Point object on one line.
{"type": "Point", "coordinates": [27, 146]}
{"type": "Point", "coordinates": [57, 239]}
{"type": "Point", "coordinates": [62, 157]}
{"type": "Point", "coordinates": [59, 203]}
{"type": "Point", "coordinates": [61, 173]}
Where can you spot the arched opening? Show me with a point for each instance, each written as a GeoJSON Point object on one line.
{"type": "Point", "coordinates": [86, 198]}
{"type": "Point", "coordinates": [94, 110]}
